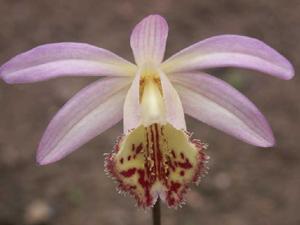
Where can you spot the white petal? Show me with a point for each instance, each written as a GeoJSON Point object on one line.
{"type": "Point", "coordinates": [132, 108]}
{"type": "Point", "coordinates": [173, 106]}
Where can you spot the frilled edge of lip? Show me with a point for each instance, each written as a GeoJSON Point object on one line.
{"type": "Point", "coordinates": [200, 171]}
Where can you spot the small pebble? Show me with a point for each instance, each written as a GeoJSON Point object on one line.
{"type": "Point", "coordinates": [38, 212]}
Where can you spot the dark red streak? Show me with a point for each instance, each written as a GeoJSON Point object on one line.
{"type": "Point", "coordinates": [185, 165]}
{"type": "Point", "coordinates": [128, 173]}
{"type": "Point", "coordinates": [139, 148]}
{"type": "Point", "coordinates": [145, 184]}
{"type": "Point", "coordinates": [173, 154]}
{"type": "Point", "coordinates": [181, 155]}
{"type": "Point", "coordinates": [158, 155]}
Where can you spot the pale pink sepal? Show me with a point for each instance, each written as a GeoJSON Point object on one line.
{"type": "Point", "coordinates": [90, 112]}
{"type": "Point", "coordinates": [64, 59]}
{"type": "Point", "coordinates": [219, 105]}
{"type": "Point", "coordinates": [230, 51]}
{"type": "Point", "coordinates": [148, 40]}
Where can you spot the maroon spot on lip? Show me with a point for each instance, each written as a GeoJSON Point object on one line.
{"type": "Point", "coordinates": [185, 165]}
{"type": "Point", "coordinates": [181, 155]}
{"type": "Point", "coordinates": [139, 148]}
{"type": "Point", "coordinates": [173, 154]}
{"type": "Point", "coordinates": [128, 173]}
{"type": "Point", "coordinates": [174, 188]}
{"type": "Point", "coordinates": [182, 173]}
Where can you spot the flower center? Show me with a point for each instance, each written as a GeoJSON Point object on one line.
{"type": "Point", "coordinates": [151, 98]}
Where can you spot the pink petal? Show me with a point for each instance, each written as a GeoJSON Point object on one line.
{"type": "Point", "coordinates": [230, 51]}
{"type": "Point", "coordinates": [217, 104]}
{"type": "Point", "coordinates": [89, 113]}
{"type": "Point", "coordinates": [148, 40]}
{"type": "Point", "coordinates": [64, 59]}
{"type": "Point", "coordinates": [132, 108]}
{"type": "Point", "coordinates": [174, 110]}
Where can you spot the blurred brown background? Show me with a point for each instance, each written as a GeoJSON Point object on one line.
{"type": "Point", "coordinates": [245, 185]}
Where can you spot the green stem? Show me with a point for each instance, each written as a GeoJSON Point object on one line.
{"type": "Point", "coordinates": [156, 213]}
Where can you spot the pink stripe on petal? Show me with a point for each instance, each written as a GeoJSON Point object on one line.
{"type": "Point", "coordinates": [90, 112]}
{"type": "Point", "coordinates": [64, 59]}
{"type": "Point", "coordinates": [148, 40]}
{"type": "Point", "coordinates": [219, 105]}
{"type": "Point", "coordinates": [230, 51]}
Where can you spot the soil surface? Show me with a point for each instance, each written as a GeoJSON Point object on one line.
{"type": "Point", "coordinates": [246, 185]}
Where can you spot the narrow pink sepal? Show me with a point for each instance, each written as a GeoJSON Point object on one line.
{"type": "Point", "coordinates": [219, 105]}
{"type": "Point", "coordinates": [90, 112]}
{"type": "Point", "coordinates": [148, 40]}
{"type": "Point", "coordinates": [64, 59]}
{"type": "Point", "coordinates": [230, 51]}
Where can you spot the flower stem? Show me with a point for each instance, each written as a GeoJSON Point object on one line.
{"type": "Point", "coordinates": [156, 213]}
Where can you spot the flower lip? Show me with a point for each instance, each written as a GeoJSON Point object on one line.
{"type": "Point", "coordinates": [157, 161]}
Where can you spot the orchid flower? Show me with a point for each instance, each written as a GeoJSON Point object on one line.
{"type": "Point", "coordinates": [155, 157]}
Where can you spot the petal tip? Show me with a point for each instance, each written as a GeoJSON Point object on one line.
{"type": "Point", "coordinates": [148, 39]}
{"type": "Point", "coordinates": [155, 17]}
{"type": "Point", "coordinates": [269, 143]}
{"type": "Point", "coordinates": [290, 72]}
{"type": "Point", "coordinates": [41, 162]}
{"type": "Point", "coordinates": [8, 79]}
{"type": "Point", "coordinates": [41, 159]}
{"type": "Point", "coordinates": [45, 156]}
{"type": "Point", "coordinates": [45, 160]}
{"type": "Point", "coordinates": [287, 70]}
